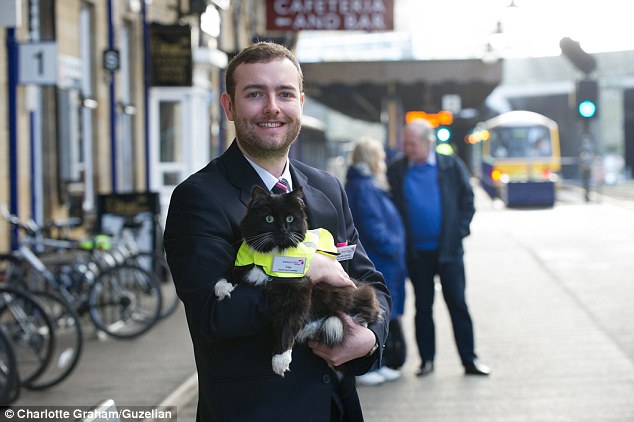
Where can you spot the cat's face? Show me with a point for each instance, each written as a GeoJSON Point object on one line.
{"type": "Point", "coordinates": [274, 221]}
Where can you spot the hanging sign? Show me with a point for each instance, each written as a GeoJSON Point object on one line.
{"type": "Point", "coordinates": [346, 15]}
{"type": "Point", "coordinates": [171, 55]}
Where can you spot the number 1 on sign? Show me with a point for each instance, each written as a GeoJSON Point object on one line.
{"type": "Point", "coordinates": [38, 63]}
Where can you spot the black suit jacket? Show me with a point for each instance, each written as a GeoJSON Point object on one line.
{"type": "Point", "coordinates": [232, 338]}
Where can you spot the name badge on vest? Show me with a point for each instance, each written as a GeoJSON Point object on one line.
{"type": "Point", "coordinates": [346, 252]}
{"type": "Point", "coordinates": [288, 264]}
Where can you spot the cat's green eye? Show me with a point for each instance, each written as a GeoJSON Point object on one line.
{"type": "Point", "coordinates": [269, 219]}
{"type": "Point", "coordinates": [289, 218]}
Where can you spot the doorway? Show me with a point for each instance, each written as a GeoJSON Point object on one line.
{"type": "Point", "coordinates": [179, 138]}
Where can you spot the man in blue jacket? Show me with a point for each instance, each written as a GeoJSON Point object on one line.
{"type": "Point", "coordinates": [434, 196]}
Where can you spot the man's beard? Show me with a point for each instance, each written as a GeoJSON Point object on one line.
{"type": "Point", "coordinates": [258, 147]}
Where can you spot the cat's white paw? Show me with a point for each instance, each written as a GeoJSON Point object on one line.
{"type": "Point", "coordinates": [257, 276]}
{"type": "Point", "coordinates": [223, 289]}
{"type": "Point", "coordinates": [281, 363]}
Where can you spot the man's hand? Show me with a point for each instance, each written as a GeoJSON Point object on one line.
{"type": "Point", "coordinates": [358, 343]}
{"type": "Point", "coordinates": [324, 269]}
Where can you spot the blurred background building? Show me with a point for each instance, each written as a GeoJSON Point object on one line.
{"type": "Point", "coordinates": [120, 96]}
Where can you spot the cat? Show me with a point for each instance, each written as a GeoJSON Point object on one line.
{"type": "Point", "coordinates": [275, 225]}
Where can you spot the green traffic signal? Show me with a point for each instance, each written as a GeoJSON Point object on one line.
{"type": "Point", "coordinates": [587, 109]}
{"type": "Point", "coordinates": [586, 98]}
{"type": "Point", "coordinates": [443, 134]}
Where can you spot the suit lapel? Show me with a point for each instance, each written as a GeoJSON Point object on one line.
{"type": "Point", "coordinates": [240, 173]}
{"type": "Point", "coordinates": [321, 212]}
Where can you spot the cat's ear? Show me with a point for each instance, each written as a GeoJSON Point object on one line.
{"type": "Point", "coordinates": [258, 193]}
{"type": "Point", "coordinates": [257, 189]}
{"type": "Point", "coordinates": [298, 192]}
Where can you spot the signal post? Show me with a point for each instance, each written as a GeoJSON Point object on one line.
{"type": "Point", "coordinates": [586, 100]}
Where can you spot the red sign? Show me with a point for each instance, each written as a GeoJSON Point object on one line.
{"type": "Point", "coordinates": [345, 15]}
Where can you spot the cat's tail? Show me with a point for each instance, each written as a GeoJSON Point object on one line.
{"type": "Point", "coordinates": [366, 309]}
{"type": "Point", "coordinates": [329, 330]}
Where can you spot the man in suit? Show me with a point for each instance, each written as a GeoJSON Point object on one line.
{"type": "Point", "coordinates": [434, 196]}
{"type": "Point", "coordinates": [232, 338]}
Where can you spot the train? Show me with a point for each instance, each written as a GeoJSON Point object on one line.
{"type": "Point", "coordinates": [519, 158]}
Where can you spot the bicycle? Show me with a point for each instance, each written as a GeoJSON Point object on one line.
{"type": "Point", "coordinates": [67, 326]}
{"type": "Point", "coordinates": [9, 378]}
{"type": "Point", "coordinates": [157, 265]}
{"type": "Point", "coordinates": [125, 247]}
{"type": "Point", "coordinates": [122, 247]}
{"type": "Point", "coordinates": [30, 331]}
{"type": "Point", "coordinates": [123, 300]}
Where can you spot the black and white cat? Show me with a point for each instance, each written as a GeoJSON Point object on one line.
{"type": "Point", "coordinates": [300, 311]}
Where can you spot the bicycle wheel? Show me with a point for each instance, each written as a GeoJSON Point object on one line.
{"type": "Point", "coordinates": [125, 301]}
{"type": "Point", "coordinates": [30, 331]}
{"type": "Point", "coordinates": [68, 341]}
{"type": "Point", "coordinates": [9, 379]}
{"type": "Point", "coordinates": [157, 265]}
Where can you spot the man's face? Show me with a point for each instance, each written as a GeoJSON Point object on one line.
{"type": "Point", "coordinates": [416, 148]}
{"type": "Point", "coordinates": [267, 108]}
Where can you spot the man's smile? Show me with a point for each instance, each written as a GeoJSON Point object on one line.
{"type": "Point", "coordinates": [270, 124]}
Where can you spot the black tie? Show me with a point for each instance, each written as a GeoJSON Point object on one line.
{"type": "Point", "coordinates": [281, 186]}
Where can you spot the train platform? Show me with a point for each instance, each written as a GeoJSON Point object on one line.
{"type": "Point", "coordinates": [553, 356]}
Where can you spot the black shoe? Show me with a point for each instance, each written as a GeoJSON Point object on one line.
{"type": "Point", "coordinates": [426, 368]}
{"type": "Point", "coordinates": [476, 367]}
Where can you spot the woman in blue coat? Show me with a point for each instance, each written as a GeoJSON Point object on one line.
{"type": "Point", "coordinates": [380, 230]}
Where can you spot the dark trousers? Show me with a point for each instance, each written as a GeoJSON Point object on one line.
{"type": "Point", "coordinates": [422, 271]}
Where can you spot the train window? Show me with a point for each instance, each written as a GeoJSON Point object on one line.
{"type": "Point", "coordinates": [516, 142]}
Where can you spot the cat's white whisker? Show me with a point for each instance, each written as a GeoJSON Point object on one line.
{"type": "Point", "coordinates": [259, 240]}
{"type": "Point", "coordinates": [296, 238]}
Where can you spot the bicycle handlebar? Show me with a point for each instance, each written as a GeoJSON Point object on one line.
{"type": "Point", "coordinates": [64, 224]}
{"type": "Point", "coordinates": [35, 233]}
{"type": "Point", "coordinates": [31, 227]}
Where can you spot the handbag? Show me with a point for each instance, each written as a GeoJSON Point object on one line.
{"type": "Point", "coordinates": [395, 351]}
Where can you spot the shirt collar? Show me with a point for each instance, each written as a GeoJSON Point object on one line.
{"type": "Point", "coordinates": [268, 179]}
{"type": "Point", "coordinates": [431, 160]}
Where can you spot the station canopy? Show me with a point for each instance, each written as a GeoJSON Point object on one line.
{"type": "Point", "coordinates": [358, 89]}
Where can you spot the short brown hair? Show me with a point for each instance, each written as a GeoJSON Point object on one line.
{"type": "Point", "coordinates": [260, 52]}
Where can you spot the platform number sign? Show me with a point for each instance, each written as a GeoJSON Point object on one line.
{"type": "Point", "coordinates": [38, 63]}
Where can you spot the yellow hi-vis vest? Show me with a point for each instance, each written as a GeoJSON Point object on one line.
{"type": "Point", "coordinates": [291, 262]}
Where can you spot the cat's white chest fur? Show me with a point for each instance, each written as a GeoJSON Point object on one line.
{"type": "Point", "coordinates": [257, 276]}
